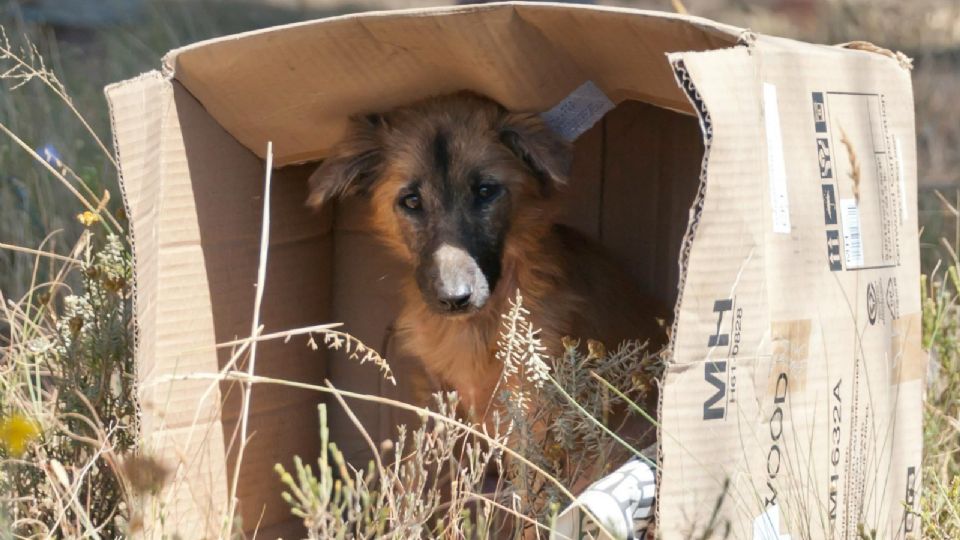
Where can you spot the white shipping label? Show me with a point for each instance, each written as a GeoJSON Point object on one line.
{"type": "Point", "coordinates": [852, 244]}
{"type": "Point", "coordinates": [766, 526]}
{"type": "Point", "coordinates": [578, 112]}
{"type": "Point", "coordinates": [777, 167]}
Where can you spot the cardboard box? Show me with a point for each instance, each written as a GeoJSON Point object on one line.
{"type": "Point", "coordinates": [725, 178]}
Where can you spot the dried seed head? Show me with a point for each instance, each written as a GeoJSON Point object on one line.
{"type": "Point", "coordinates": [146, 474]}
{"type": "Point", "coordinates": [597, 349]}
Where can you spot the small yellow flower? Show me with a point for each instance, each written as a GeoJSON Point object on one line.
{"type": "Point", "coordinates": [16, 432]}
{"type": "Point", "coordinates": [88, 218]}
{"type": "Point", "coordinates": [554, 452]}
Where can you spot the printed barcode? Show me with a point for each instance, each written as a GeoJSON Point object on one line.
{"type": "Point", "coordinates": [852, 245]}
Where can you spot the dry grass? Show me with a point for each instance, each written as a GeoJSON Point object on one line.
{"type": "Point", "coordinates": [66, 358]}
{"type": "Point", "coordinates": [940, 500]}
{"type": "Point", "coordinates": [51, 99]}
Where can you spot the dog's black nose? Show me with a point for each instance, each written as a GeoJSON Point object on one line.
{"type": "Point", "coordinates": [455, 303]}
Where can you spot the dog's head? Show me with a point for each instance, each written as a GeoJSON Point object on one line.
{"type": "Point", "coordinates": [449, 178]}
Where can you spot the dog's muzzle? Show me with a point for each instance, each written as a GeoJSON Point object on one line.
{"type": "Point", "coordinates": [460, 283]}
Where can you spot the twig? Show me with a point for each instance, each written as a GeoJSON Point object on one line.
{"type": "Point", "coordinates": [639, 410]}
{"type": "Point", "coordinates": [254, 329]}
{"type": "Point", "coordinates": [40, 253]}
{"type": "Point", "coordinates": [48, 78]}
{"type": "Point", "coordinates": [953, 209]}
{"type": "Point", "coordinates": [243, 377]}
{"type": "Point", "coordinates": [237, 354]}
{"type": "Point", "coordinates": [366, 437]}
{"type": "Point", "coordinates": [245, 342]}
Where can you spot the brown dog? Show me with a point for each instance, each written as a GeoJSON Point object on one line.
{"type": "Point", "coordinates": [466, 192]}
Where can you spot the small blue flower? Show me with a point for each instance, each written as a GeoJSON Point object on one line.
{"type": "Point", "coordinates": [50, 153]}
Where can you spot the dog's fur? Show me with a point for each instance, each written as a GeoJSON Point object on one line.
{"type": "Point", "coordinates": [479, 244]}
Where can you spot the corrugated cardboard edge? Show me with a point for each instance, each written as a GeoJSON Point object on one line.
{"type": "Point", "coordinates": [170, 59]}
{"type": "Point", "coordinates": [851, 47]}
{"type": "Point", "coordinates": [183, 503]}
{"type": "Point", "coordinates": [905, 61]}
{"type": "Point", "coordinates": [696, 209]}
{"type": "Point", "coordinates": [107, 90]}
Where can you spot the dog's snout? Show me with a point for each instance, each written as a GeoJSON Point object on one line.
{"type": "Point", "coordinates": [455, 283]}
{"type": "Point", "coordinates": [456, 303]}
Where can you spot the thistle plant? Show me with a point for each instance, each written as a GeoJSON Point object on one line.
{"type": "Point", "coordinates": [68, 372]}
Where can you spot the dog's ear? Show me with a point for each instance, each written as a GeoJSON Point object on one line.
{"type": "Point", "coordinates": [547, 156]}
{"type": "Point", "coordinates": [353, 165]}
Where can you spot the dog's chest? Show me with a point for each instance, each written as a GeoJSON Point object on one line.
{"type": "Point", "coordinates": [461, 354]}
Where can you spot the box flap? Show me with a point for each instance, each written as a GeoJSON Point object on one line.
{"type": "Point", "coordinates": [793, 402]}
{"type": "Point", "coordinates": [297, 84]}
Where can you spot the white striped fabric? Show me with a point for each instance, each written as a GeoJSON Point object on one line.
{"type": "Point", "coordinates": [623, 501]}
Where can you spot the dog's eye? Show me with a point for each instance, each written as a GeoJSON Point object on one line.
{"type": "Point", "coordinates": [411, 201]}
{"type": "Point", "coordinates": [487, 192]}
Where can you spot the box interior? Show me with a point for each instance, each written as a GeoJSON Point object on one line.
{"type": "Point", "coordinates": [636, 173]}
{"type": "Point", "coordinates": [294, 85]}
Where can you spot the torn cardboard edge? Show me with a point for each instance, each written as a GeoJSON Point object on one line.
{"type": "Point", "coordinates": [905, 61]}
{"type": "Point", "coordinates": [686, 83]}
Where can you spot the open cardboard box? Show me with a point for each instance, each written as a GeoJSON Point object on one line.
{"type": "Point", "coordinates": [723, 179]}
